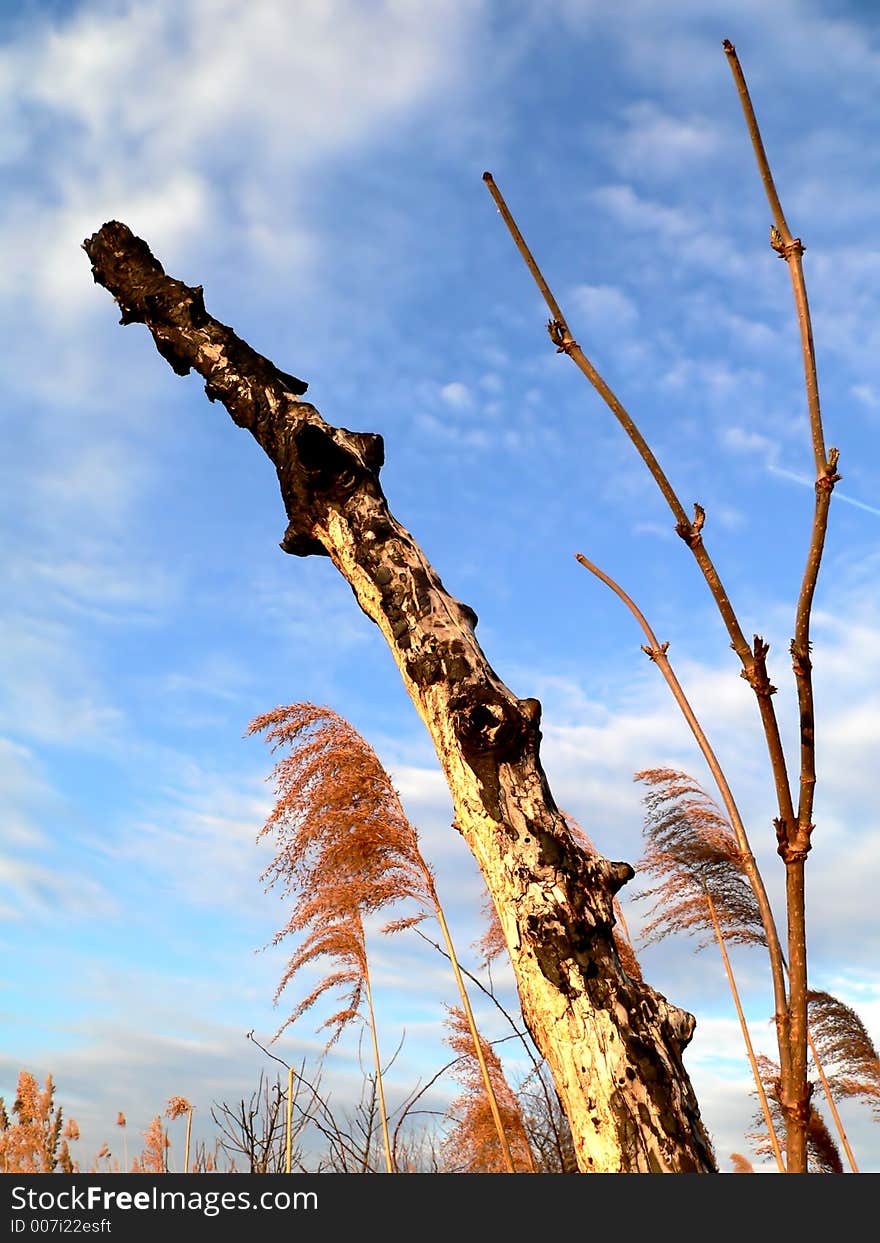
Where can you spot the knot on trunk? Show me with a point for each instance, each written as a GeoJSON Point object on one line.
{"type": "Point", "coordinates": [331, 468]}
{"type": "Point", "coordinates": [490, 728]}
{"type": "Point", "coordinates": [679, 1026]}
{"type": "Point", "coordinates": [496, 727]}
{"type": "Point", "coordinates": [798, 1112]}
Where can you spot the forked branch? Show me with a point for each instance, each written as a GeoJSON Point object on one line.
{"type": "Point", "coordinates": [795, 835]}
{"type": "Point", "coordinates": [753, 658]}
{"type": "Point", "coordinates": [793, 829]}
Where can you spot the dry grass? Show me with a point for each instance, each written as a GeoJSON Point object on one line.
{"type": "Point", "coordinates": [691, 849]}
{"type": "Point", "coordinates": [472, 1144]}
{"type": "Point", "coordinates": [823, 1155]}
{"type": "Point", "coordinates": [34, 1139]}
{"type": "Point", "coordinates": [346, 849]}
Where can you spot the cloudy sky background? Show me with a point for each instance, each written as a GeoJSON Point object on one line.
{"type": "Point", "coordinates": [317, 168]}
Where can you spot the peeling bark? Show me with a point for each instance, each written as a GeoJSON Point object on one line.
{"type": "Point", "coordinates": [613, 1044]}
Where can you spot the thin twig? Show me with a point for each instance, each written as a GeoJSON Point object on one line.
{"type": "Point", "coordinates": [530, 1053]}
{"type": "Point", "coordinates": [517, 1034]}
{"type": "Point", "coordinates": [752, 658]}
{"type": "Point", "coordinates": [407, 1109]}
{"type": "Point", "coordinates": [389, 1164]}
{"type": "Point", "coordinates": [656, 651]}
{"type": "Point", "coordinates": [762, 1095]}
{"type": "Point", "coordinates": [475, 1037]}
{"type": "Point", "coordinates": [330, 1130]}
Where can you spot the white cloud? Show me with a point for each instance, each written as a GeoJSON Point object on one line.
{"type": "Point", "coordinates": [134, 104]}
{"type": "Point", "coordinates": [455, 436]}
{"type": "Point", "coordinates": [424, 789]}
{"type": "Point", "coordinates": [212, 819]}
{"type": "Point", "coordinates": [633, 211]}
{"type": "Point", "coordinates": [729, 517]}
{"type": "Point", "coordinates": [457, 395]}
{"type": "Point", "coordinates": [51, 693]}
{"type": "Point", "coordinates": [25, 793]}
{"type": "Point", "coordinates": [40, 892]}
{"type": "Point", "coordinates": [743, 441]}
{"type": "Point", "coordinates": [604, 309]}
{"type": "Point", "coordinates": [297, 83]}
{"type": "Point", "coordinates": [867, 395]}
{"type": "Point", "coordinates": [654, 142]}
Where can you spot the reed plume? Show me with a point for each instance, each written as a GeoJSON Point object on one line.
{"type": "Point", "coordinates": [694, 853]}
{"type": "Point", "coordinates": [37, 1141]}
{"type": "Point", "coordinates": [692, 850]}
{"type": "Point", "coordinates": [104, 1154]}
{"type": "Point", "coordinates": [491, 944]}
{"type": "Point", "coordinates": [176, 1107]}
{"type": "Point", "coordinates": [153, 1158]}
{"type": "Point", "coordinates": [342, 853]}
{"type": "Point", "coordinates": [823, 1156]}
{"type": "Point", "coordinates": [841, 1042]}
{"type": "Point", "coordinates": [337, 813]}
{"type": "Point", "coordinates": [472, 1145]}
{"type": "Point", "coordinates": [346, 849]}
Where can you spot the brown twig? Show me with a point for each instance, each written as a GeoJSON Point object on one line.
{"type": "Point", "coordinates": [657, 653]}
{"type": "Point", "coordinates": [753, 658]}
{"type": "Point", "coordinates": [762, 1095]}
{"type": "Point", "coordinates": [794, 835]}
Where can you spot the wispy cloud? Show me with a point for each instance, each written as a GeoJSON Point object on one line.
{"type": "Point", "coordinates": [654, 143]}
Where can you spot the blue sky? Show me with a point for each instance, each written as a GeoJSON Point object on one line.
{"type": "Point", "coordinates": [317, 168]}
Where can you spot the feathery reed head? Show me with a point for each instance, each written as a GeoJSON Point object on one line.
{"type": "Point", "coordinates": [693, 852]}
{"type": "Point", "coordinates": [176, 1107]}
{"type": "Point", "coordinates": [472, 1145]}
{"type": "Point", "coordinates": [345, 848]}
{"type": "Point", "coordinates": [337, 811]}
{"type": "Point", "coordinates": [152, 1159]}
{"type": "Point", "coordinates": [845, 1049]}
{"type": "Point", "coordinates": [35, 1140]}
{"type": "Point", "coordinates": [823, 1155]}
{"type": "Point", "coordinates": [492, 943]}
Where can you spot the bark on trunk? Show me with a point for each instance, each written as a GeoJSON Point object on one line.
{"type": "Point", "coordinates": [613, 1044]}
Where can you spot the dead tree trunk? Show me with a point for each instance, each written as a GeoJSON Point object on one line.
{"type": "Point", "coordinates": [613, 1045]}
